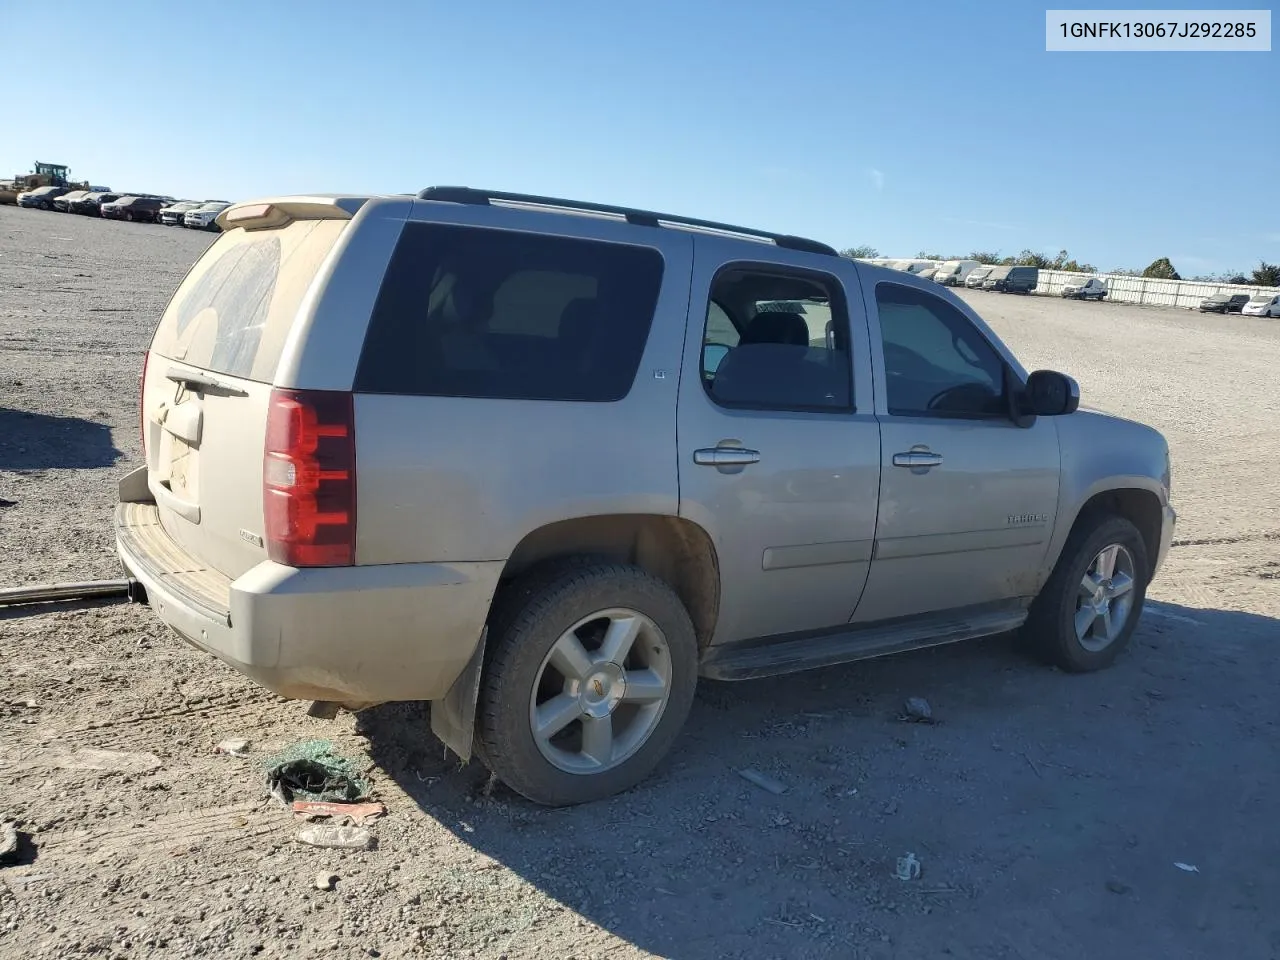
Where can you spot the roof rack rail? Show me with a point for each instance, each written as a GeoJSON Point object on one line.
{"type": "Point", "coordinates": [643, 218]}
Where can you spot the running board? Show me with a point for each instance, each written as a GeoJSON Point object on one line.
{"type": "Point", "coordinates": [791, 653]}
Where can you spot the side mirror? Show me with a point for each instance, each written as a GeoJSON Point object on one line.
{"type": "Point", "coordinates": [712, 355]}
{"type": "Point", "coordinates": [1051, 394]}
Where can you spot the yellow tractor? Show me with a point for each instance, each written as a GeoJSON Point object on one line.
{"type": "Point", "coordinates": [44, 175]}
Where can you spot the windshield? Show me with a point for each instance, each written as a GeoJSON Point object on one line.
{"type": "Point", "coordinates": [1261, 298]}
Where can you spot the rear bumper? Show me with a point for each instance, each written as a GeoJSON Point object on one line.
{"type": "Point", "coordinates": [354, 635]}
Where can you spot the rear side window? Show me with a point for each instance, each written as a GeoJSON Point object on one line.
{"type": "Point", "coordinates": [472, 312]}
{"type": "Point", "coordinates": [234, 309]}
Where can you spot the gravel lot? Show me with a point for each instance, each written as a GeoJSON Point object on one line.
{"type": "Point", "coordinates": [1049, 811]}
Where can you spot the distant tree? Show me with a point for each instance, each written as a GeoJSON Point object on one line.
{"type": "Point", "coordinates": [983, 256]}
{"type": "Point", "coordinates": [1124, 272]}
{"type": "Point", "coordinates": [1161, 269]}
{"type": "Point", "coordinates": [1029, 258]}
{"type": "Point", "coordinates": [1230, 276]}
{"type": "Point", "coordinates": [925, 255]}
{"type": "Point", "coordinates": [1267, 274]}
{"type": "Point", "coordinates": [864, 252]}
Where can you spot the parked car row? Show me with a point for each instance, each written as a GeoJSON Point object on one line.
{"type": "Point", "coordinates": [1258, 305]}
{"type": "Point", "coordinates": [135, 207]}
{"type": "Point", "coordinates": [972, 274]}
{"type": "Point", "coordinates": [1003, 279]}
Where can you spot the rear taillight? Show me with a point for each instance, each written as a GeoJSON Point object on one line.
{"type": "Point", "coordinates": [309, 479]}
{"type": "Point", "coordinates": [142, 403]}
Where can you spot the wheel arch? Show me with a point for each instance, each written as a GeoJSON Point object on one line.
{"type": "Point", "coordinates": [675, 550]}
{"type": "Point", "coordinates": [1140, 505]}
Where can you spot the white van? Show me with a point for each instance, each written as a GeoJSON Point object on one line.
{"type": "Point", "coordinates": [952, 273]}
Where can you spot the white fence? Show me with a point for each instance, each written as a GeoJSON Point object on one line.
{"type": "Point", "coordinates": [1126, 289]}
{"type": "Point", "coordinates": [1142, 290]}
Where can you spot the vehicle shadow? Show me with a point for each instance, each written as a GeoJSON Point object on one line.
{"type": "Point", "coordinates": [1057, 775]}
{"type": "Point", "coordinates": [37, 441]}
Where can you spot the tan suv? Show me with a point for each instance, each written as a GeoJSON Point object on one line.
{"type": "Point", "coordinates": [545, 463]}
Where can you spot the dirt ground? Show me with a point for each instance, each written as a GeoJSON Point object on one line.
{"type": "Point", "coordinates": [1050, 812]}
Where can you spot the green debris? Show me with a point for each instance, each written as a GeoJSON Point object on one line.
{"type": "Point", "coordinates": [310, 770]}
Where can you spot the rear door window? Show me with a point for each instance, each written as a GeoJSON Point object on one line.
{"type": "Point", "coordinates": [474, 312]}
{"type": "Point", "coordinates": [234, 309]}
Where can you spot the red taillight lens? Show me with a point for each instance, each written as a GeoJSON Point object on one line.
{"type": "Point", "coordinates": [309, 479]}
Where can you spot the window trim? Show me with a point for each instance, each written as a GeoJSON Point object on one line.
{"type": "Point", "coordinates": [839, 299]}
{"type": "Point", "coordinates": [1010, 381]}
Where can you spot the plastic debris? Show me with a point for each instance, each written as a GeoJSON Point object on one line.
{"type": "Point", "coordinates": [325, 881]}
{"type": "Point", "coordinates": [1187, 867]}
{"type": "Point", "coordinates": [908, 868]}
{"type": "Point", "coordinates": [8, 843]}
{"type": "Point", "coordinates": [917, 710]}
{"type": "Point", "coordinates": [310, 770]}
{"type": "Point", "coordinates": [233, 747]}
{"type": "Point", "coordinates": [116, 761]}
{"type": "Point", "coordinates": [336, 838]}
{"type": "Point", "coordinates": [357, 813]}
{"type": "Point", "coordinates": [762, 781]}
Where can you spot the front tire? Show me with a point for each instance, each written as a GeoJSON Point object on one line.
{"type": "Point", "coordinates": [590, 677]}
{"type": "Point", "coordinates": [1087, 612]}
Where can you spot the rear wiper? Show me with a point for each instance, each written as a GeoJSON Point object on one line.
{"type": "Point", "coordinates": [202, 381]}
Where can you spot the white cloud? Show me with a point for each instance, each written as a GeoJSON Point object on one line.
{"type": "Point", "coordinates": [877, 177]}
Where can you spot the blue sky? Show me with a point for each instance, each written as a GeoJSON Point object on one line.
{"type": "Point", "coordinates": [906, 126]}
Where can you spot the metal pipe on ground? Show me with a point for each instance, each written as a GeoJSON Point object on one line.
{"type": "Point", "coordinates": [67, 592]}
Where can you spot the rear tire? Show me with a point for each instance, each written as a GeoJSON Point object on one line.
{"type": "Point", "coordinates": [1090, 606]}
{"type": "Point", "coordinates": [562, 718]}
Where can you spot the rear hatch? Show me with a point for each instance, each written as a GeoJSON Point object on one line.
{"type": "Point", "coordinates": [207, 385]}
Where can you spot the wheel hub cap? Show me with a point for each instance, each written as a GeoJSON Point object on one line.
{"type": "Point", "coordinates": [1106, 598]}
{"type": "Point", "coordinates": [602, 691]}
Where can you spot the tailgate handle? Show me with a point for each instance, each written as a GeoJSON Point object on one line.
{"type": "Point", "coordinates": [202, 381]}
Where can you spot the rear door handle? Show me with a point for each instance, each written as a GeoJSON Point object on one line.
{"type": "Point", "coordinates": [725, 457]}
{"type": "Point", "coordinates": [917, 459]}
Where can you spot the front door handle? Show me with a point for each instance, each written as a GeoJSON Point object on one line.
{"type": "Point", "coordinates": [917, 459]}
{"type": "Point", "coordinates": [725, 457]}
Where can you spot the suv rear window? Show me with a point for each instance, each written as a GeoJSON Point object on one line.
{"type": "Point", "coordinates": [234, 309]}
{"type": "Point", "coordinates": [477, 312]}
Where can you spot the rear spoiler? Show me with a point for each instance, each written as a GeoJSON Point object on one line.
{"type": "Point", "coordinates": [277, 211]}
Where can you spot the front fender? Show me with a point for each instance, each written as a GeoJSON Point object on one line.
{"type": "Point", "coordinates": [1101, 454]}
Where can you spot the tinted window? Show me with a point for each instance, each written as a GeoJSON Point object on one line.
{"type": "Point", "coordinates": [234, 309]}
{"type": "Point", "coordinates": [777, 340]}
{"type": "Point", "coordinates": [936, 362]}
{"type": "Point", "coordinates": [472, 312]}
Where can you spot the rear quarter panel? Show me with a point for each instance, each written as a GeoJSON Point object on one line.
{"type": "Point", "coordinates": [445, 479]}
